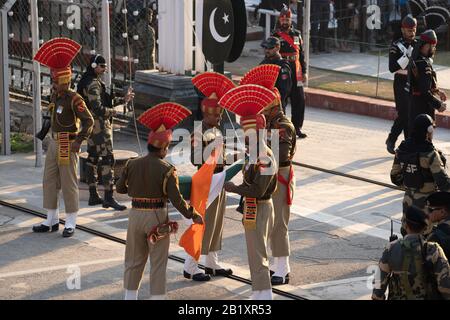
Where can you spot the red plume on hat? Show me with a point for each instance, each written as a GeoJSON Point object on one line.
{"type": "Point", "coordinates": [213, 86]}
{"type": "Point", "coordinates": [285, 12]}
{"type": "Point", "coordinates": [265, 75]}
{"type": "Point", "coordinates": [58, 54]}
{"type": "Point", "coordinates": [161, 119]}
{"type": "Point", "coordinates": [248, 101]}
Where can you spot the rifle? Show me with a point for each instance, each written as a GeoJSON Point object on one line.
{"type": "Point", "coordinates": [46, 124]}
{"type": "Point", "coordinates": [393, 236]}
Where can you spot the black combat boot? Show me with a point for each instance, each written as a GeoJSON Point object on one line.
{"type": "Point", "coordinates": [94, 198]}
{"type": "Point", "coordinates": [109, 201]}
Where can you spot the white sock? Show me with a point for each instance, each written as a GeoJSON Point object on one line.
{"type": "Point", "coordinates": [262, 295]}
{"type": "Point", "coordinates": [71, 220]}
{"type": "Point", "coordinates": [51, 214]}
{"type": "Point", "coordinates": [158, 297]}
{"type": "Point", "coordinates": [282, 267]}
{"type": "Point", "coordinates": [191, 266]}
{"type": "Point", "coordinates": [212, 261]}
{"type": "Point", "coordinates": [131, 295]}
{"type": "Point", "coordinates": [273, 266]}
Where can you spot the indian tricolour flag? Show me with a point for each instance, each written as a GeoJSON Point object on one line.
{"type": "Point", "coordinates": [206, 187]}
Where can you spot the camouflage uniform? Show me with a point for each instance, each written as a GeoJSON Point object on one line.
{"type": "Point", "coordinates": [441, 235]}
{"type": "Point", "coordinates": [402, 269]}
{"type": "Point", "coordinates": [431, 168]}
{"type": "Point", "coordinates": [100, 142]}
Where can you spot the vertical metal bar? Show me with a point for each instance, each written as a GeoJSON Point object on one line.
{"type": "Point", "coordinates": [267, 30]}
{"type": "Point", "coordinates": [378, 73]}
{"type": "Point", "coordinates": [306, 33]}
{"type": "Point", "coordinates": [106, 41]}
{"type": "Point", "coordinates": [60, 19]}
{"type": "Point", "coordinates": [37, 117]}
{"type": "Point", "coordinates": [22, 49]}
{"type": "Point", "coordinates": [4, 86]}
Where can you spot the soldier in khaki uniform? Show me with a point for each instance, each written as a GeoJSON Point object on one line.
{"type": "Point", "coordinates": [213, 86]}
{"type": "Point", "coordinates": [151, 182]}
{"type": "Point", "coordinates": [259, 183]}
{"type": "Point", "coordinates": [282, 198]}
{"type": "Point", "coordinates": [418, 166]}
{"type": "Point", "coordinates": [67, 110]}
{"type": "Point", "coordinates": [413, 269]}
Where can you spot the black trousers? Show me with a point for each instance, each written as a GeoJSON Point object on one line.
{"type": "Point", "coordinates": [297, 106]}
{"type": "Point", "coordinates": [419, 105]}
{"type": "Point", "coordinates": [402, 104]}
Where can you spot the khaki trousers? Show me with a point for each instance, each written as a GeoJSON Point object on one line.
{"type": "Point", "coordinates": [212, 238]}
{"type": "Point", "coordinates": [279, 235]}
{"type": "Point", "coordinates": [138, 250]}
{"type": "Point", "coordinates": [60, 177]}
{"type": "Point", "coordinates": [257, 246]}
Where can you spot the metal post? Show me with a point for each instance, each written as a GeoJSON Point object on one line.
{"type": "Point", "coordinates": [306, 33]}
{"type": "Point", "coordinates": [106, 40]}
{"type": "Point", "coordinates": [4, 77]}
{"type": "Point", "coordinates": [37, 116]}
{"type": "Point", "coordinates": [268, 29]}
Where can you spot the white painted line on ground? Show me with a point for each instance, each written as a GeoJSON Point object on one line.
{"type": "Point", "coordinates": [61, 267]}
{"type": "Point", "coordinates": [349, 226]}
{"type": "Point", "coordinates": [333, 283]}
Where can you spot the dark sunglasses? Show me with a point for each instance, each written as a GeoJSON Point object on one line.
{"type": "Point", "coordinates": [102, 65]}
{"type": "Point", "coordinates": [431, 209]}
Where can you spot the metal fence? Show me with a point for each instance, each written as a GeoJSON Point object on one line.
{"type": "Point", "coordinates": [79, 20]}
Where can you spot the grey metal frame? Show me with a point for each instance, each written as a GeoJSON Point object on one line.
{"type": "Point", "coordinates": [4, 77]}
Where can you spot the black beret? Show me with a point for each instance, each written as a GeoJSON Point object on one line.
{"type": "Point", "coordinates": [416, 216]}
{"type": "Point", "coordinates": [439, 199]}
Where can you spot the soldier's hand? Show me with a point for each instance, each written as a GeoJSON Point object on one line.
{"type": "Point", "coordinates": [229, 186]}
{"type": "Point", "coordinates": [442, 96]}
{"type": "Point", "coordinates": [443, 107]}
{"type": "Point", "coordinates": [130, 95]}
{"type": "Point", "coordinates": [197, 218]}
{"type": "Point", "coordinates": [75, 147]}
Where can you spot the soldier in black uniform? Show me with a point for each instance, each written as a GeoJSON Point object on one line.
{"type": "Point", "coordinates": [399, 55]}
{"type": "Point", "coordinates": [438, 209]}
{"type": "Point", "coordinates": [425, 95]}
{"type": "Point", "coordinates": [292, 50]}
{"type": "Point", "coordinates": [284, 82]}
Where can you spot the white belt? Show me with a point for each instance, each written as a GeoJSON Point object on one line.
{"type": "Point", "coordinates": [402, 72]}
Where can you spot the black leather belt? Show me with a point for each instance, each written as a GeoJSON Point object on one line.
{"type": "Point", "coordinates": [148, 203]}
{"type": "Point", "coordinates": [285, 164]}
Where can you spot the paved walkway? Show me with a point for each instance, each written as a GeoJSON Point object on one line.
{"type": "Point", "coordinates": [354, 62]}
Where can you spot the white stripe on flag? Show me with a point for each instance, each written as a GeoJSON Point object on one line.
{"type": "Point", "coordinates": [216, 187]}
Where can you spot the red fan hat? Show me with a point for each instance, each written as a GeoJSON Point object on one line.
{"type": "Point", "coordinates": [265, 75]}
{"type": "Point", "coordinates": [285, 13]}
{"type": "Point", "coordinates": [213, 86]}
{"type": "Point", "coordinates": [160, 120]}
{"type": "Point", "coordinates": [58, 54]}
{"type": "Point", "coordinates": [248, 101]}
